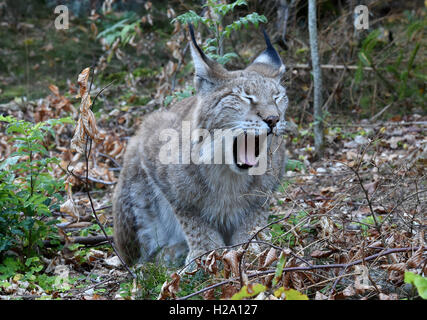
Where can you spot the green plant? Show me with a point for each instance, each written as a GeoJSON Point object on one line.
{"type": "Point", "coordinates": [248, 291]}
{"type": "Point", "coordinates": [300, 222]}
{"type": "Point", "coordinates": [179, 95]}
{"type": "Point", "coordinates": [123, 30]}
{"type": "Point", "coordinates": [368, 223]}
{"type": "Point", "coordinates": [401, 74]}
{"type": "Point", "coordinates": [148, 284]}
{"type": "Point", "coordinates": [213, 46]}
{"type": "Point", "coordinates": [120, 33]}
{"type": "Point", "coordinates": [95, 229]}
{"type": "Point", "coordinates": [418, 281]}
{"type": "Point", "coordinates": [289, 294]}
{"type": "Point", "coordinates": [294, 165]}
{"type": "Point", "coordinates": [28, 274]}
{"type": "Point", "coordinates": [28, 191]}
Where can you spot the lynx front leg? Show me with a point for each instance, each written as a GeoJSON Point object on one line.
{"type": "Point", "coordinates": [201, 237]}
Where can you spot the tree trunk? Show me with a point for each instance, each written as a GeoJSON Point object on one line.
{"type": "Point", "coordinates": [317, 77]}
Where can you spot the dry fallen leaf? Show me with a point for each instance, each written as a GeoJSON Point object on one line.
{"type": "Point", "coordinates": [349, 291]}
{"type": "Point", "coordinates": [228, 290]}
{"type": "Point", "coordinates": [86, 124]}
{"type": "Point", "coordinates": [320, 296]}
{"type": "Point", "coordinates": [210, 263]}
{"type": "Point", "coordinates": [231, 263]}
{"type": "Point", "coordinates": [209, 294]}
{"type": "Point", "coordinates": [54, 89]}
{"type": "Point", "coordinates": [391, 296]}
{"type": "Point", "coordinates": [362, 281]}
{"type": "Point", "coordinates": [393, 141]}
{"type": "Point", "coordinates": [271, 257]}
{"type": "Point", "coordinates": [371, 187]}
{"type": "Point", "coordinates": [321, 253]}
{"type": "Point", "coordinates": [400, 267]}
{"type": "Point", "coordinates": [69, 208]}
{"type": "Point", "coordinates": [113, 261]}
{"type": "Point", "coordinates": [169, 289]}
{"type": "Point", "coordinates": [417, 258]}
{"type": "Point", "coordinates": [328, 190]}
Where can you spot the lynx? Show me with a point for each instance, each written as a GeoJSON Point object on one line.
{"type": "Point", "coordinates": [186, 209]}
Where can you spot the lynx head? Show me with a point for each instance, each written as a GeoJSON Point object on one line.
{"type": "Point", "coordinates": [251, 100]}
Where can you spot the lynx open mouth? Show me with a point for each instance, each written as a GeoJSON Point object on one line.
{"type": "Point", "coordinates": [246, 150]}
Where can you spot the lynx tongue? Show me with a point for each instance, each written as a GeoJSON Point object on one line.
{"type": "Point", "coordinates": [246, 152]}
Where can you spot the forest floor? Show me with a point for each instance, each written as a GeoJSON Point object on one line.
{"type": "Point", "coordinates": [367, 196]}
{"type": "Point", "coordinates": [347, 226]}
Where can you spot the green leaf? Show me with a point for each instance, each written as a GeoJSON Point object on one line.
{"type": "Point", "coordinates": [190, 17]}
{"type": "Point", "coordinates": [111, 29]}
{"type": "Point", "coordinates": [293, 165]}
{"type": "Point", "coordinates": [248, 291]}
{"type": "Point", "coordinates": [418, 281]}
{"type": "Point", "coordinates": [17, 127]}
{"type": "Point", "coordinates": [8, 119]}
{"type": "Point", "coordinates": [290, 294]}
{"type": "Point", "coordinates": [364, 59]}
{"type": "Point", "coordinates": [420, 76]}
{"type": "Point", "coordinates": [359, 73]}
{"type": "Point", "coordinates": [226, 57]}
{"type": "Point", "coordinates": [31, 260]}
{"type": "Point", "coordinates": [168, 100]}
{"type": "Point", "coordinates": [9, 267]}
{"type": "Point", "coordinates": [370, 41]}
{"type": "Point", "coordinates": [9, 162]}
{"type": "Point", "coordinates": [279, 269]}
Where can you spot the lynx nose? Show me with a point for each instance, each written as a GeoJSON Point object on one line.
{"type": "Point", "coordinates": [272, 121]}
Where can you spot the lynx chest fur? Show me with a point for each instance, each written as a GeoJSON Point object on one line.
{"type": "Point", "coordinates": [198, 175]}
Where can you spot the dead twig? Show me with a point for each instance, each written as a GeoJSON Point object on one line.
{"type": "Point", "coordinates": [90, 241]}
{"type": "Point", "coordinates": [116, 163]}
{"type": "Point", "coordinates": [86, 154]}
{"type": "Point", "coordinates": [87, 151]}
{"type": "Point", "coordinates": [381, 112]}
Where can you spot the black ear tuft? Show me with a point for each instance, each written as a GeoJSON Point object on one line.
{"type": "Point", "coordinates": [269, 55]}
{"type": "Point", "coordinates": [268, 62]}
{"type": "Point", "coordinates": [193, 39]}
{"type": "Point", "coordinates": [208, 72]}
{"type": "Point", "coordinates": [266, 38]}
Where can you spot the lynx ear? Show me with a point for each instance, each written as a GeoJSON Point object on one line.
{"type": "Point", "coordinates": [268, 62]}
{"type": "Point", "coordinates": [208, 73]}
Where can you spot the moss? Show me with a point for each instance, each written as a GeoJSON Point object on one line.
{"type": "Point", "coordinates": [116, 76]}
{"type": "Point", "coordinates": [144, 72]}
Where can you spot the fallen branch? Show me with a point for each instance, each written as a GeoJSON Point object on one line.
{"type": "Point", "coordinates": [90, 241]}
{"type": "Point", "coordinates": [328, 66]}
{"type": "Point", "coordinates": [111, 159]}
{"type": "Point", "coordinates": [381, 112]}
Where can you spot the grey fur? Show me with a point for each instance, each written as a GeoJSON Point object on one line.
{"type": "Point", "coordinates": [188, 209]}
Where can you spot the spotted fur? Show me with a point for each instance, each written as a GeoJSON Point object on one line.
{"type": "Point", "coordinates": [182, 210]}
